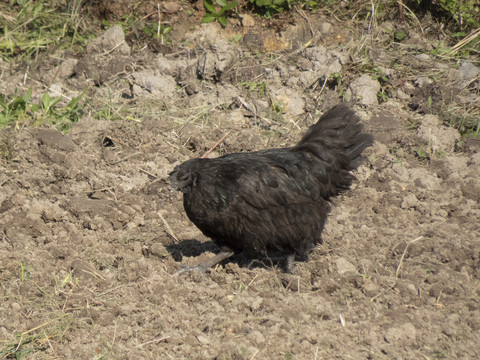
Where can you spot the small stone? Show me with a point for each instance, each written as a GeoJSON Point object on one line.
{"type": "Point", "coordinates": [365, 88]}
{"type": "Point", "coordinates": [409, 201]}
{"type": "Point", "coordinates": [248, 21]}
{"type": "Point", "coordinates": [344, 266]}
{"type": "Point", "coordinates": [326, 28]}
{"type": "Point", "coordinates": [256, 304]}
{"type": "Point", "coordinates": [158, 250]}
{"type": "Point", "coordinates": [203, 339]}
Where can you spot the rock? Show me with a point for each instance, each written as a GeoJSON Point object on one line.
{"type": "Point", "coordinates": [409, 201]}
{"type": "Point", "coordinates": [227, 93]}
{"type": "Point", "coordinates": [213, 63]}
{"type": "Point", "coordinates": [55, 140]}
{"type": "Point", "coordinates": [55, 90]}
{"type": "Point", "coordinates": [423, 81]}
{"type": "Point", "coordinates": [203, 339]}
{"type": "Point", "coordinates": [67, 68]}
{"type": "Point", "coordinates": [365, 88]}
{"type": "Point", "coordinates": [316, 53]}
{"type": "Point", "coordinates": [158, 85]}
{"type": "Point", "coordinates": [344, 266]}
{"type": "Point", "coordinates": [158, 250]}
{"type": "Point", "coordinates": [293, 104]}
{"type": "Point", "coordinates": [171, 7]}
{"type": "Point", "coordinates": [256, 304]}
{"type": "Point", "coordinates": [112, 42]}
{"type": "Point", "coordinates": [248, 21]}
{"type": "Point", "coordinates": [256, 336]}
{"type": "Point", "coordinates": [326, 28]}
{"type": "Point", "coordinates": [437, 136]}
{"type": "Point", "coordinates": [467, 73]}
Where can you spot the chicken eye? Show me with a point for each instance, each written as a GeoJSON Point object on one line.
{"type": "Point", "coordinates": [183, 177]}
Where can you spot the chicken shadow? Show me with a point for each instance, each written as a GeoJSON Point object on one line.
{"type": "Point", "coordinates": [195, 248]}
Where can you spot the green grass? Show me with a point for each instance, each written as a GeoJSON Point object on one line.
{"type": "Point", "coordinates": [20, 110]}
{"type": "Point", "coordinates": [29, 28]}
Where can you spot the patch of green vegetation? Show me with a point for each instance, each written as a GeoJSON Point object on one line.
{"type": "Point", "coordinates": [31, 27]}
{"type": "Point", "coordinates": [34, 340]}
{"type": "Point", "coordinates": [465, 12]}
{"type": "Point", "coordinates": [422, 154]}
{"type": "Point", "coordinates": [260, 87]}
{"type": "Point", "coordinates": [235, 39]}
{"type": "Point", "coordinates": [465, 121]}
{"type": "Point", "coordinates": [132, 24]}
{"type": "Point", "coordinates": [337, 82]}
{"type": "Point", "coordinates": [158, 32]}
{"type": "Point", "coordinates": [213, 14]}
{"type": "Point", "coordinates": [21, 110]}
{"type": "Point", "coordinates": [268, 8]}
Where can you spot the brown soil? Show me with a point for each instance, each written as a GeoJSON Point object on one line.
{"type": "Point", "coordinates": [90, 234]}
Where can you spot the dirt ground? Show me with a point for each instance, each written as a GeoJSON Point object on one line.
{"type": "Point", "coordinates": [90, 232]}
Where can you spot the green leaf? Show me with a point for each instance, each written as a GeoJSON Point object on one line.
{"type": "Point", "coordinates": [222, 3]}
{"type": "Point", "coordinates": [28, 95]}
{"type": "Point", "coordinates": [263, 2]}
{"type": "Point", "coordinates": [208, 18]}
{"type": "Point", "coordinates": [210, 7]}
{"type": "Point", "coordinates": [228, 7]}
{"type": "Point", "coordinates": [222, 21]}
{"type": "Point", "coordinates": [46, 100]}
{"type": "Point", "coordinates": [399, 35]}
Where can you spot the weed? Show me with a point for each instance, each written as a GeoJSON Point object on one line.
{"type": "Point", "coordinates": [271, 7]}
{"type": "Point", "coordinates": [463, 11]}
{"type": "Point", "coordinates": [20, 110]}
{"type": "Point", "coordinates": [33, 340]}
{"type": "Point", "coordinates": [220, 15]}
{"type": "Point", "coordinates": [337, 82]}
{"type": "Point", "coordinates": [6, 149]}
{"type": "Point", "coordinates": [382, 95]}
{"type": "Point", "coordinates": [379, 75]}
{"type": "Point", "coordinates": [158, 32]}
{"type": "Point", "coordinates": [422, 154]}
{"type": "Point", "coordinates": [261, 87]}
{"type": "Point", "coordinates": [235, 39]}
{"type": "Point", "coordinates": [30, 27]}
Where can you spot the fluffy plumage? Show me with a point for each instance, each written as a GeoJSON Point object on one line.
{"type": "Point", "coordinates": [276, 199]}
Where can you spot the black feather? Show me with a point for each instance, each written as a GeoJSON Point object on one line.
{"type": "Point", "coordinates": [274, 199]}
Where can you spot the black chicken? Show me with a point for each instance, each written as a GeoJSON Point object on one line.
{"type": "Point", "coordinates": [273, 199]}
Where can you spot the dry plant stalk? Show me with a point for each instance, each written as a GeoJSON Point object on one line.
{"type": "Point", "coordinates": [404, 253]}
{"type": "Point", "coordinates": [214, 146]}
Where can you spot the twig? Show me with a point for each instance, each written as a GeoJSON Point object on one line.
{"type": "Point", "coordinates": [114, 332]}
{"type": "Point", "coordinates": [169, 229]}
{"type": "Point", "coordinates": [149, 174]}
{"type": "Point", "coordinates": [465, 41]}
{"type": "Point", "coordinates": [48, 340]}
{"type": "Point", "coordinates": [255, 354]}
{"type": "Point", "coordinates": [154, 341]}
{"type": "Point", "coordinates": [5, 181]}
{"type": "Point", "coordinates": [125, 158]}
{"type": "Point", "coordinates": [302, 14]}
{"type": "Point", "coordinates": [404, 253]}
{"type": "Point", "coordinates": [400, 3]}
{"type": "Point", "coordinates": [214, 146]}
{"type": "Point", "coordinates": [54, 77]}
